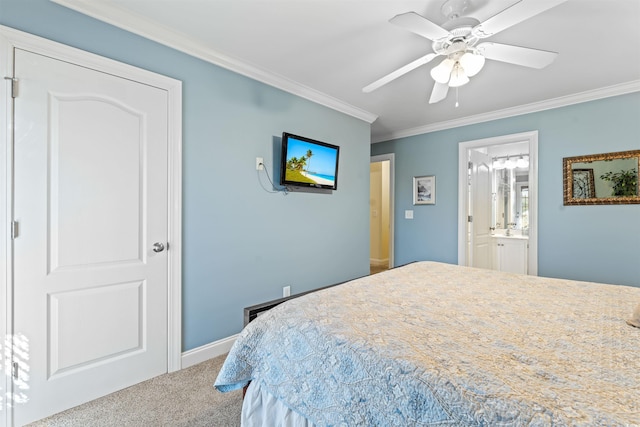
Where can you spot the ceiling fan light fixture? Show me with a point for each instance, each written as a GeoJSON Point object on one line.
{"type": "Point", "coordinates": [457, 41]}
{"type": "Point", "coordinates": [458, 76]}
{"type": "Point", "coordinates": [472, 63]}
{"type": "Point", "coordinates": [442, 72]}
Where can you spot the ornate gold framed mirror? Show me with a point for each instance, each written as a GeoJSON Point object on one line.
{"type": "Point", "coordinates": [602, 179]}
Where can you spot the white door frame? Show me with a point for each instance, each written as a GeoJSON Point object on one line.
{"type": "Point", "coordinates": [463, 190]}
{"type": "Point", "coordinates": [11, 39]}
{"type": "Point", "coordinates": [392, 189]}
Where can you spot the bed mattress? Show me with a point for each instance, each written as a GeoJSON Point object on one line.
{"type": "Point", "coordinates": [438, 344]}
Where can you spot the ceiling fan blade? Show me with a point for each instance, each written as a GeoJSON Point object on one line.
{"type": "Point", "coordinates": [524, 56]}
{"type": "Point", "coordinates": [419, 25]}
{"type": "Point", "coordinates": [439, 92]}
{"type": "Point", "coordinates": [513, 15]}
{"type": "Point", "coordinates": [399, 72]}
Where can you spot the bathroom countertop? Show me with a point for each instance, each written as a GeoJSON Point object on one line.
{"type": "Point", "coordinates": [513, 236]}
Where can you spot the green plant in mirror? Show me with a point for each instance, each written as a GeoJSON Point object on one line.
{"type": "Point", "coordinates": [625, 183]}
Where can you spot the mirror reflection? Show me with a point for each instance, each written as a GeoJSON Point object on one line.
{"type": "Point", "coordinates": [610, 178]}
{"type": "Point", "coordinates": [511, 194]}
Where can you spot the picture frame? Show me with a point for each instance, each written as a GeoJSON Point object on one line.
{"type": "Point", "coordinates": [424, 190]}
{"type": "Point", "coordinates": [583, 184]}
{"type": "Point", "coordinates": [602, 179]}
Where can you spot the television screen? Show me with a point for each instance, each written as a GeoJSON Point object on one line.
{"type": "Point", "coordinates": [308, 163]}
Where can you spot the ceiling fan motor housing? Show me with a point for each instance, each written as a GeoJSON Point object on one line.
{"type": "Point", "coordinates": [460, 33]}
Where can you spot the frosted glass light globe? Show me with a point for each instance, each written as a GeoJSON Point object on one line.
{"type": "Point", "coordinates": [442, 72]}
{"type": "Point", "coordinates": [472, 63]}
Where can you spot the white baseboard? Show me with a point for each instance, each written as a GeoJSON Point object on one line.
{"type": "Point", "coordinates": [207, 351]}
{"type": "Point", "coordinates": [379, 262]}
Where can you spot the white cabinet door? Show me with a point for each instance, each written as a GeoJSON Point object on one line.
{"type": "Point", "coordinates": [511, 255]}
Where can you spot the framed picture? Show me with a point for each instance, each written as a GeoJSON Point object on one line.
{"type": "Point", "coordinates": [424, 190]}
{"type": "Point", "coordinates": [583, 184]}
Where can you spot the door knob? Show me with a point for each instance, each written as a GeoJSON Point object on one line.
{"type": "Point", "coordinates": [158, 247]}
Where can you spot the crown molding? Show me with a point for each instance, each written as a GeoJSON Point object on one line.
{"type": "Point", "coordinates": [592, 95]}
{"type": "Point", "coordinates": [141, 26]}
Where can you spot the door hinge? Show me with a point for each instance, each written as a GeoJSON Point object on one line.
{"type": "Point", "coordinates": [14, 86]}
{"type": "Point", "coordinates": [15, 370]}
{"type": "Point", "coordinates": [470, 165]}
{"type": "Point", "coordinates": [470, 218]}
{"type": "Point", "coordinates": [15, 230]}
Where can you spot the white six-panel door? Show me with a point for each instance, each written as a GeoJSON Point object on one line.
{"type": "Point", "coordinates": [90, 200]}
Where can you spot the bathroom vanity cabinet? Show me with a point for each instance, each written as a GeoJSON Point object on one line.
{"type": "Point", "coordinates": [510, 253]}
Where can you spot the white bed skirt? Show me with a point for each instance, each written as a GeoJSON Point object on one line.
{"type": "Point", "coordinates": [261, 409]}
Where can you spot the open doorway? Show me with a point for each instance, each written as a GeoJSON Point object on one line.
{"type": "Point", "coordinates": [381, 213]}
{"type": "Point", "coordinates": [497, 210]}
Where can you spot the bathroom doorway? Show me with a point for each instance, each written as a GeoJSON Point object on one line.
{"type": "Point", "coordinates": [497, 196]}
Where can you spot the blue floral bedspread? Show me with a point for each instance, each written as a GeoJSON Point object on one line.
{"type": "Point", "coordinates": [432, 344]}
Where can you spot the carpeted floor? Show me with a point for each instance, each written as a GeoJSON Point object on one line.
{"type": "Point", "coordinates": [180, 399]}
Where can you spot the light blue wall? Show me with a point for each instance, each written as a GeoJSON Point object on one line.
{"type": "Point", "coordinates": [241, 244]}
{"type": "Point", "coordinates": [595, 243]}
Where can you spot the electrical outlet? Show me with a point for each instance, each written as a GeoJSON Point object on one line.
{"type": "Point", "coordinates": [286, 291]}
{"type": "Point", "coordinates": [259, 163]}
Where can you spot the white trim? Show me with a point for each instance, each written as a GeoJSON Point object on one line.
{"type": "Point", "coordinates": [391, 157]}
{"type": "Point", "coordinates": [592, 95]}
{"type": "Point", "coordinates": [174, 233]}
{"type": "Point", "coordinates": [11, 39]}
{"type": "Point", "coordinates": [136, 24]}
{"type": "Point", "coordinates": [463, 148]}
{"type": "Point", "coordinates": [6, 173]}
{"type": "Point", "coordinates": [207, 351]}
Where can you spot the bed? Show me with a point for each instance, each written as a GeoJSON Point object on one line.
{"type": "Point", "coordinates": [434, 344]}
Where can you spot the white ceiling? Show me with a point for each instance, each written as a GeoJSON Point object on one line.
{"type": "Point", "coordinates": [328, 50]}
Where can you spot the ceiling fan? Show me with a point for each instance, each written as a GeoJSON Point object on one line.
{"type": "Point", "coordinates": [457, 40]}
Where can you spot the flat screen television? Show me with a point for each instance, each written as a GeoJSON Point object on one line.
{"type": "Point", "coordinates": [306, 162]}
